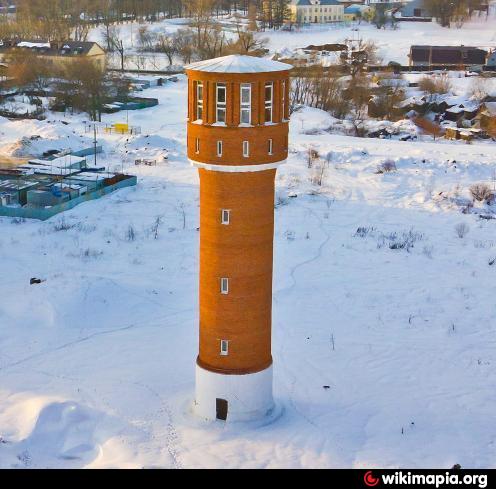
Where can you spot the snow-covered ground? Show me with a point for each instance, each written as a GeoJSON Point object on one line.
{"type": "Point", "coordinates": [393, 45]}
{"type": "Point", "coordinates": [97, 362]}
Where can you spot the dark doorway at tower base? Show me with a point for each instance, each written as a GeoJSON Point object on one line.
{"type": "Point", "coordinates": [221, 407]}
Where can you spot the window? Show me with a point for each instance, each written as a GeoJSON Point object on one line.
{"type": "Point", "coordinates": [199, 101]}
{"type": "Point", "coordinates": [197, 145]}
{"type": "Point", "coordinates": [219, 148]}
{"type": "Point", "coordinates": [225, 217]}
{"type": "Point", "coordinates": [224, 286]}
{"type": "Point", "coordinates": [270, 146]}
{"type": "Point", "coordinates": [268, 101]}
{"type": "Point", "coordinates": [245, 115]}
{"type": "Point", "coordinates": [224, 347]}
{"type": "Point", "coordinates": [246, 149]}
{"type": "Point", "coordinates": [283, 100]}
{"type": "Point", "coordinates": [221, 102]}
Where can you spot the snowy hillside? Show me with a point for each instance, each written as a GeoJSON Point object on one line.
{"type": "Point", "coordinates": [384, 317]}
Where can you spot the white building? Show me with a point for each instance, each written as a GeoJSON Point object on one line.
{"type": "Point", "coordinates": [317, 11]}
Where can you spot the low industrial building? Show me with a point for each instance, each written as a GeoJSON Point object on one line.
{"type": "Point", "coordinates": [460, 56]}
{"type": "Point", "coordinates": [40, 195]}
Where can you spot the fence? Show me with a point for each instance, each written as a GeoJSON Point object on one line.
{"type": "Point", "coordinates": [46, 213]}
{"type": "Point", "coordinates": [111, 129]}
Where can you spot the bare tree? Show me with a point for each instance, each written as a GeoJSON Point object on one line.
{"type": "Point", "coordinates": [167, 44]}
{"type": "Point", "coordinates": [359, 96]}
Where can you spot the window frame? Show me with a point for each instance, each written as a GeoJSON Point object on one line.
{"type": "Point", "coordinates": [283, 100]}
{"type": "Point", "coordinates": [220, 107]}
{"type": "Point", "coordinates": [269, 103]}
{"type": "Point", "coordinates": [199, 101]}
{"type": "Point", "coordinates": [246, 149]}
{"type": "Point", "coordinates": [223, 214]}
{"type": "Point", "coordinates": [270, 148]}
{"type": "Point", "coordinates": [220, 148]}
{"type": "Point", "coordinates": [224, 348]}
{"type": "Point", "coordinates": [197, 145]}
{"type": "Point", "coordinates": [245, 106]}
{"type": "Point", "coordinates": [224, 285]}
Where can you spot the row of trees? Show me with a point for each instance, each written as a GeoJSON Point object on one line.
{"type": "Point", "coordinates": [448, 12]}
{"type": "Point", "coordinates": [203, 39]}
{"type": "Point", "coordinates": [79, 86]}
{"type": "Point", "coordinates": [56, 20]}
{"type": "Point", "coordinates": [345, 97]}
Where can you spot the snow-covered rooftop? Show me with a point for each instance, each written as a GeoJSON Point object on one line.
{"type": "Point", "coordinates": [27, 44]}
{"type": "Point", "coordinates": [238, 64]}
{"type": "Point", "coordinates": [61, 162]}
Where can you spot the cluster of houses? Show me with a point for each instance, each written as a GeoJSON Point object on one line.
{"type": "Point", "coordinates": [458, 117]}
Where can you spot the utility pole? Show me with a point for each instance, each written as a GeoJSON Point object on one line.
{"type": "Point", "coordinates": [94, 140]}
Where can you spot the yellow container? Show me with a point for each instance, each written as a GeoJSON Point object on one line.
{"type": "Point", "coordinates": [121, 128]}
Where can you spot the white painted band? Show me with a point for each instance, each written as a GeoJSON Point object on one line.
{"type": "Point", "coordinates": [237, 168]}
{"type": "Point", "coordinates": [249, 396]}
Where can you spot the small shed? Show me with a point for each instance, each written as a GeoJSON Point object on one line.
{"type": "Point", "coordinates": [454, 114]}
{"type": "Point", "coordinates": [16, 190]}
{"type": "Point", "coordinates": [452, 133]}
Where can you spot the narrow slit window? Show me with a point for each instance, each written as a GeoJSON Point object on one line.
{"type": "Point", "coordinates": [269, 90]}
{"type": "Point", "coordinates": [197, 145]}
{"type": "Point", "coordinates": [245, 109]}
{"type": "Point", "coordinates": [224, 286]}
{"type": "Point", "coordinates": [246, 149]}
{"type": "Point", "coordinates": [221, 102]}
{"type": "Point", "coordinates": [224, 347]}
{"type": "Point", "coordinates": [199, 101]}
{"type": "Point", "coordinates": [283, 100]}
{"type": "Point", "coordinates": [271, 145]}
{"type": "Point", "coordinates": [219, 148]}
{"type": "Point", "coordinates": [225, 217]}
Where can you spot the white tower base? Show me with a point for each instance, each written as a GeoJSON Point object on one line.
{"type": "Point", "coordinates": [249, 397]}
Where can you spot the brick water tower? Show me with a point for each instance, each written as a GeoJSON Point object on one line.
{"type": "Point", "coordinates": [237, 137]}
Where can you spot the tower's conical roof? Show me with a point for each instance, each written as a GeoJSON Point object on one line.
{"type": "Point", "coordinates": [237, 63]}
